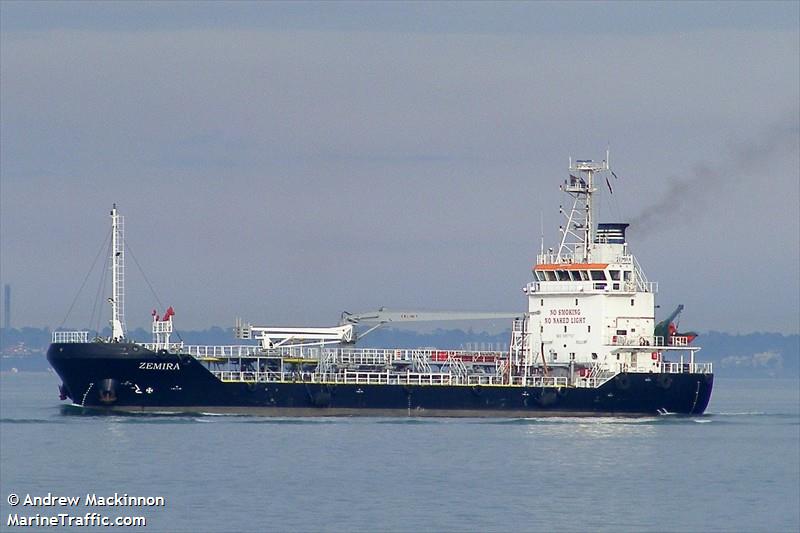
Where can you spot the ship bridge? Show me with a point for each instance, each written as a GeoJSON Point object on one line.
{"type": "Point", "coordinates": [604, 266]}
{"type": "Point", "coordinates": [560, 274]}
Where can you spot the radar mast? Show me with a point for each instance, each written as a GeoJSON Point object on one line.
{"type": "Point", "coordinates": [578, 233]}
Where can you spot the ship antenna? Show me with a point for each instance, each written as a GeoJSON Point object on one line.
{"type": "Point", "coordinates": [541, 229]}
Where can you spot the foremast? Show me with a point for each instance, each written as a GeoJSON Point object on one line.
{"type": "Point", "coordinates": [117, 299]}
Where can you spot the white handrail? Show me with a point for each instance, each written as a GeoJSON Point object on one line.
{"type": "Point", "coordinates": [650, 342]}
{"type": "Point", "coordinates": [70, 336]}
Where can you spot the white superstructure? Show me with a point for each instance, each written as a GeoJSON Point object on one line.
{"type": "Point", "coordinates": [591, 309]}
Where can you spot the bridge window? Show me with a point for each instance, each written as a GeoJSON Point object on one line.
{"type": "Point", "coordinates": [614, 274]}
{"type": "Point", "coordinates": [563, 275]}
{"type": "Point", "coordinates": [551, 275]}
{"type": "Point", "coordinates": [585, 275]}
{"type": "Point", "coordinates": [598, 275]}
{"type": "Point", "coordinates": [575, 275]}
{"type": "Point", "coordinates": [627, 274]}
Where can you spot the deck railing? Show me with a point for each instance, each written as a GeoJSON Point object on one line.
{"type": "Point", "coordinates": [222, 351]}
{"type": "Point", "coordinates": [70, 336]}
{"type": "Point", "coordinates": [540, 381]}
{"type": "Point", "coordinates": [687, 368]}
{"type": "Point", "coordinates": [355, 356]}
{"type": "Point", "coordinates": [655, 342]}
{"type": "Point", "coordinates": [354, 377]}
{"type": "Point", "coordinates": [591, 286]}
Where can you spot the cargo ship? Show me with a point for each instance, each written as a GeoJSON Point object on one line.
{"type": "Point", "coordinates": [587, 345]}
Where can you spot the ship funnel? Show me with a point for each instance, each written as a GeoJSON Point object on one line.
{"type": "Point", "coordinates": [610, 233]}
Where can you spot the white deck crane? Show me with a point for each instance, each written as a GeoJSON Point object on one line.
{"type": "Point", "coordinates": [344, 333]}
{"type": "Point", "coordinates": [384, 316]}
{"type": "Point", "coordinates": [274, 337]}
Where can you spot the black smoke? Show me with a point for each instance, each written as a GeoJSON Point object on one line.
{"type": "Point", "coordinates": [685, 197]}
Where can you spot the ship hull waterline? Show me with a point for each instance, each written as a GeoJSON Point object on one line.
{"type": "Point", "coordinates": [124, 377]}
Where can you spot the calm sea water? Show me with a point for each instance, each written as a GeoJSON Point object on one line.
{"type": "Point", "coordinates": [734, 469]}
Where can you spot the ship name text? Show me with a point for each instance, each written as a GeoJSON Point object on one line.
{"type": "Point", "coordinates": [159, 366]}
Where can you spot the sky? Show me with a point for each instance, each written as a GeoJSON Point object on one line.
{"type": "Point", "coordinates": [283, 162]}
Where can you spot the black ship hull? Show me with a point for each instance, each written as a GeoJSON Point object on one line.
{"type": "Point", "coordinates": [127, 377]}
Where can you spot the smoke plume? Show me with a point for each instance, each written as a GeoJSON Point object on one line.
{"type": "Point", "coordinates": [684, 197]}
